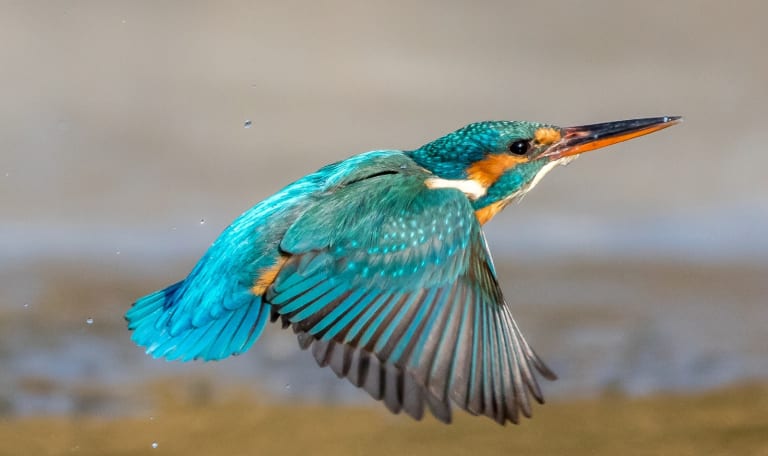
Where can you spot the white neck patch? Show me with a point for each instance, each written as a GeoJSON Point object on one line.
{"type": "Point", "coordinates": [537, 178]}
{"type": "Point", "coordinates": [545, 169]}
{"type": "Point", "coordinates": [472, 188]}
{"type": "Point", "coordinates": [475, 190]}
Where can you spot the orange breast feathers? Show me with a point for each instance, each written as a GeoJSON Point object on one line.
{"type": "Point", "coordinates": [485, 214]}
{"type": "Point", "coordinates": [267, 276]}
{"type": "Point", "coordinates": [488, 170]}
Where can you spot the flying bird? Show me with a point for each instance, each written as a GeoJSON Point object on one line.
{"type": "Point", "coordinates": [379, 265]}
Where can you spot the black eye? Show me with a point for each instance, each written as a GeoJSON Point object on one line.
{"type": "Point", "coordinates": [520, 147]}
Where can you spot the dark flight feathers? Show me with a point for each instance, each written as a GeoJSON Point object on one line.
{"type": "Point", "coordinates": [392, 286]}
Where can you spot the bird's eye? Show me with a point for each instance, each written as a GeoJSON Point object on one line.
{"type": "Point", "coordinates": [520, 147]}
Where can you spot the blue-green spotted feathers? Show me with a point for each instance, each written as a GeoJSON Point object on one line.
{"type": "Point", "coordinates": [450, 156]}
{"type": "Point", "coordinates": [212, 314]}
{"type": "Point", "coordinates": [389, 283]}
{"type": "Point", "coordinates": [403, 297]}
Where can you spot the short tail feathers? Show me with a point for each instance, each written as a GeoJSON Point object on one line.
{"type": "Point", "coordinates": [231, 333]}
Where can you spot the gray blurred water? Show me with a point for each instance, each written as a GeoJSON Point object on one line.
{"type": "Point", "coordinates": [122, 127]}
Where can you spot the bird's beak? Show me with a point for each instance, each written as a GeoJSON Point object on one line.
{"type": "Point", "coordinates": [577, 140]}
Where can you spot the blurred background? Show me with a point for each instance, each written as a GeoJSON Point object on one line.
{"type": "Point", "coordinates": [132, 133]}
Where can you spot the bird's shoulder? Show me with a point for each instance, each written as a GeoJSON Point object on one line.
{"type": "Point", "coordinates": [366, 165]}
{"type": "Point", "coordinates": [377, 192]}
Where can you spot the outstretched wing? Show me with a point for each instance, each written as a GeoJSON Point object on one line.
{"type": "Point", "coordinates": [392, 285]}
{"type": "Point", "coordinates": [218, 311]}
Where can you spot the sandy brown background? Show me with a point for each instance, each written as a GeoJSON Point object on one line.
{"type": "Point", "coordinates": [637, 272]}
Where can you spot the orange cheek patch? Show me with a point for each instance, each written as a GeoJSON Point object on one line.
{"type": "Point", "coordinates": [488, 170]}
{"type": "Point", "coordinates": [546, 135]}
{"type": "Point", "coordinates": [267, 276]}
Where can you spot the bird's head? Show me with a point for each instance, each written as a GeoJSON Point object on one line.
{"type": "Point", "coordinates": [496, 162]}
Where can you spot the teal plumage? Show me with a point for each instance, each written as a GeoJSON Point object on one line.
{"type": "Point", "coordinates": [416, 277]}
{"type": "Point", "coordinates": [220, 284]}
{"type": "Point", "coordinates": [380, 266]}
{"type": "Point", "coordinates": [450, 156]}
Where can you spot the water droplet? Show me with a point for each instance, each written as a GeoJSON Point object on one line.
{"type": "Point", "coordinates": [89, 321]}
{"type": "Point", "coordinates": [173, 228]}
{"type": "Point", "coordinates": [123, 21]}
{"type": "Point", "coordinates": [7, 174]}
{"type": "Point", "coordinates": [248, 124]}
{"type": "Point", "coordinates": [287, 386]}
{"type": "Point", "coordinates": [202, 221]}
{"type": "Point", "coordinates": [154, 445]}
{"type": "Point", "coordinates": [117, 252]}
{"type": "Point", "coordinates": [26, 305]}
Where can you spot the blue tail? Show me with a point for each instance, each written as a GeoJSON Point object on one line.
{"type": "Point", "coordinates": [226, 333]}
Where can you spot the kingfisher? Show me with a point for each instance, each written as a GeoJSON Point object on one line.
{"type": "Point", "coordinates": [380, 266]}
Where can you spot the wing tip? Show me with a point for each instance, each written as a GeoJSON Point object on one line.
{"type": "Point", "coordinates": [395, 387]}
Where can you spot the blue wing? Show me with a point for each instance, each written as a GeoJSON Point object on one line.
{"type": "Point", "coordinates": [214, 313]}
{"type": "Point", "coordinates": [392, 285]}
